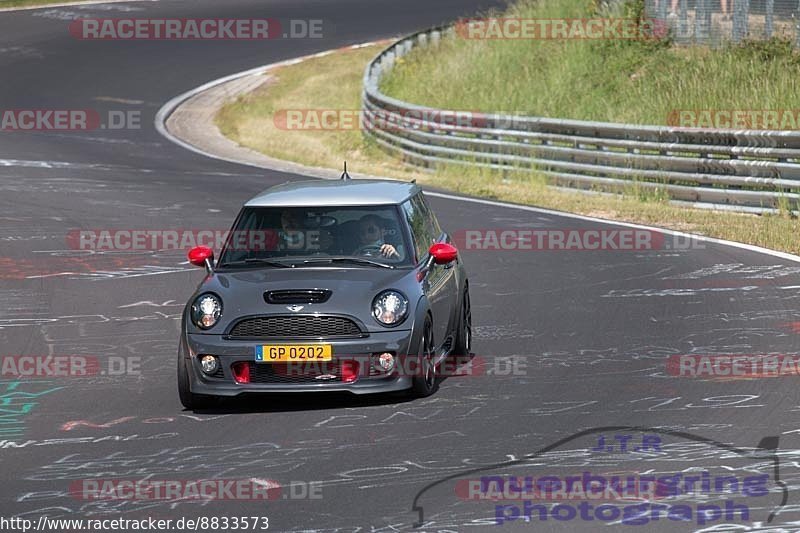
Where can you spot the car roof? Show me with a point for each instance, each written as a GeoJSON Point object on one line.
{"type": "Point", "coordinates": [325, 193]}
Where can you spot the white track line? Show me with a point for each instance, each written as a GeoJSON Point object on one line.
{"type": "Point", "coordinates": [168, 108]}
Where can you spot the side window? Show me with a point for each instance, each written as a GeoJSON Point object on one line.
{"type": "Point", "coordinates": [415, 213]}
{"type": "Point", "coordinates": [433, 223]}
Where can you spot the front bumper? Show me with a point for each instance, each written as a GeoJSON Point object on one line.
{"type": "Point", "coordinates": [296, 377]}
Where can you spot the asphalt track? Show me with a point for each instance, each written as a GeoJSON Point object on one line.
{"type": "Point", "coordinates": [589, 333]}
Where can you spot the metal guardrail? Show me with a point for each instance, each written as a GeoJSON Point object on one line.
{"type": "Point", "coordinates": [747, 170]}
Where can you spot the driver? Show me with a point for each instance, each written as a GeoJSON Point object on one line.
{"type": "Point", "coordinates": [370, 237]}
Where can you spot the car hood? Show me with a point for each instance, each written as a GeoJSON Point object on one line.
{"type": "Point", "coordinates": [352, 291]}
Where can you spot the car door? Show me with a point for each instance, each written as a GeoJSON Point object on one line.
{"type": "Point", "coordinates": [436, 283]}
{"type": "Point", "coordinates": [447, 273]}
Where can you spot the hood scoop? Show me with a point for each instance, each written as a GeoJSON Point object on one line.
{"type": "Point", "coordinates": [297, 296]}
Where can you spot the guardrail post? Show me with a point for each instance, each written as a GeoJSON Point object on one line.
{"type": "Point", "coordinates": [387, 63]}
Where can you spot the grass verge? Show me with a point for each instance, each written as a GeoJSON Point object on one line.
{"type": "Point", "coordinates": [333, 82]}
{"type": "Point", "coordinates": [634, 81]}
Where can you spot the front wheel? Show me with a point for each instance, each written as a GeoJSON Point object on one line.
{"type": "Point", "coordinates": [424, 382]}
{"type": "Point", "coordinates": [187, 397]}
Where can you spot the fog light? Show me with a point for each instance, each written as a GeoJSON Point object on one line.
{"type": "Point", "coordinates": [385, 362]}
{"type": "Point", "coordinates": [209, 364]}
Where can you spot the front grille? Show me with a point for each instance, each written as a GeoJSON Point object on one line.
{"type": "Point", "coordinates": [295, 326]}
{"type": "Point", "coordinates": [297, 296]}
{"type": "Point", "coordinates": [294, 373]}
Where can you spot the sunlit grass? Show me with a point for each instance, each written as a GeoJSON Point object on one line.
{"type": "Point", "coordinates": [638, 82]}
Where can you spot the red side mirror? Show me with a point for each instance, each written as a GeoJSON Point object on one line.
{"type": "Point", "coordinates": [443, 253]}
{"type": "Point", "coordinates": [200, 254]}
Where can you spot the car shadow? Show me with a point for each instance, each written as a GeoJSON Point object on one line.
{"type": "Point", "coordinates": [309, 401]}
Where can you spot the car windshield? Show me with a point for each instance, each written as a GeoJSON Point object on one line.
{"type": "Point", "coordinates": [285, 236]}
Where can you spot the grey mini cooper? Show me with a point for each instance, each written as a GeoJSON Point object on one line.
{"type": "Point", "coordinates": [347, 285]}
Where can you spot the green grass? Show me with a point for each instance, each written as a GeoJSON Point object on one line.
{"type": "Point", "coordinates": [619, 81]}
{"type": "Point", "coordinates": [250, 119]}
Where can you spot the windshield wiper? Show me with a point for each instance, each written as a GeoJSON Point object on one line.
{"type": "Point", "coordinates": [255, 260]}
{"type": "Point", "coordinates": [357, 260]}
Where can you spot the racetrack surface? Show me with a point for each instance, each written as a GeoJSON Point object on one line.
{"type": "Point", "coordinates": [588, 332]}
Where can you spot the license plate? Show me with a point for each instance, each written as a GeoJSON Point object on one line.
{"type": "Point", "coordinates": [285, 353]}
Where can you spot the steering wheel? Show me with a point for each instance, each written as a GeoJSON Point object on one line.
{"type": "Point", "coordinates": [369, 250]}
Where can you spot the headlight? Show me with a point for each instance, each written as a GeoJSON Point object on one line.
{"type": "Point", "coordinates": [390, 308]}
{"type": "Point", "coordinates": [206, 311]}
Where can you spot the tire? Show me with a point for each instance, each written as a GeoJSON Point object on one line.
{"type": "Point", "coordinates": [463, 344]}
{"type": "Point", "coordinates": [187, 397]}
{"type": "Point", "coordinates": [425, 383]}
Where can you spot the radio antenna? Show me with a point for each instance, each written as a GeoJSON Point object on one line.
{"type": "Point", "coordinates": [345, 175]}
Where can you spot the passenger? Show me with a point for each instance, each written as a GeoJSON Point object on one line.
{"type": "Point", "coordinates": [296, 234]}
{"type": "Point", "coordinates": [291, 234]}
